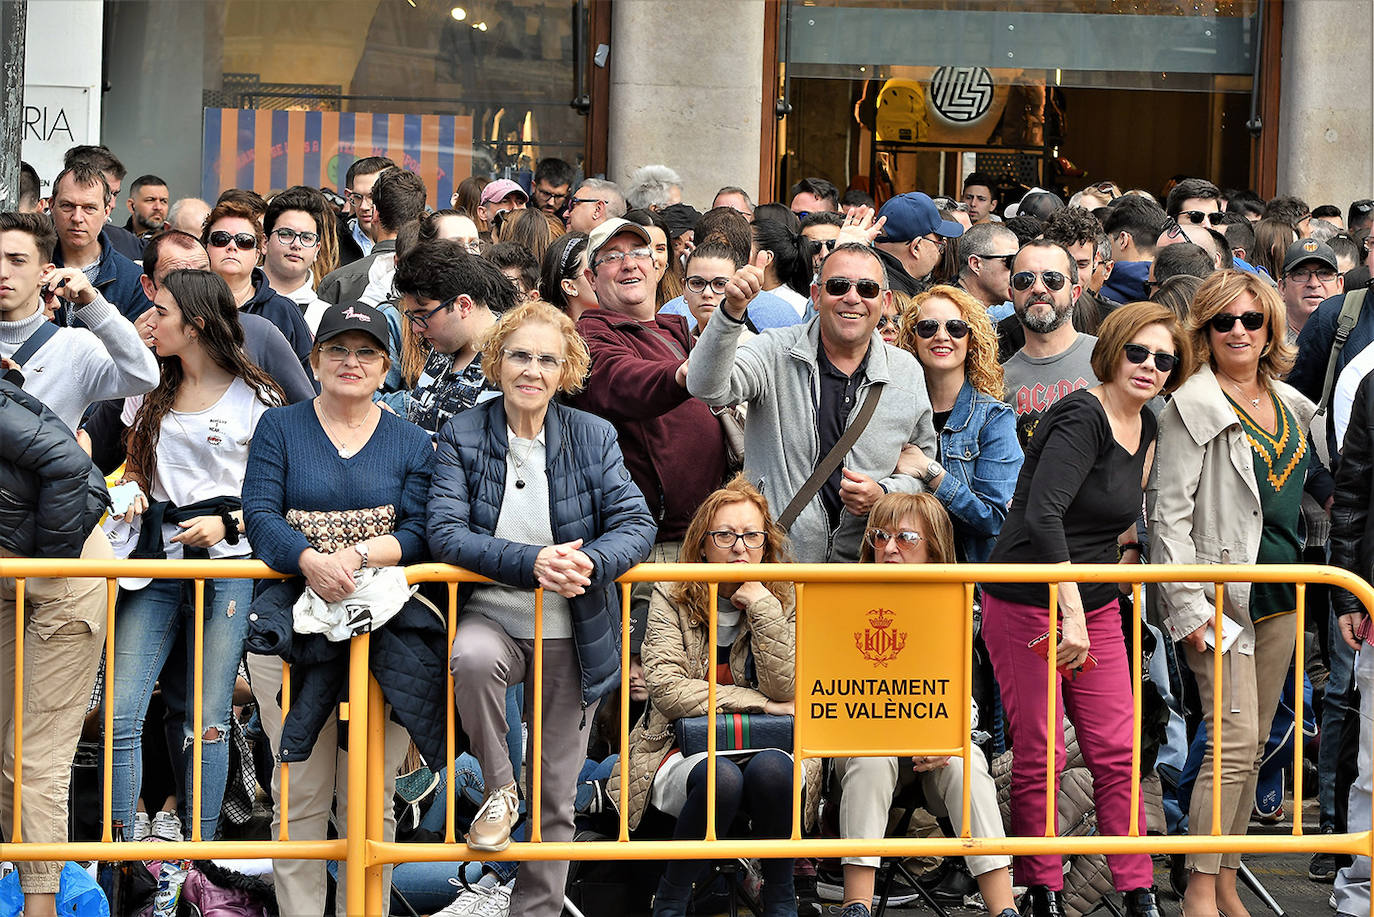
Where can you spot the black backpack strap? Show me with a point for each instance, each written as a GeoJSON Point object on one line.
{"type": "Point", "coordinates": [41, 335]}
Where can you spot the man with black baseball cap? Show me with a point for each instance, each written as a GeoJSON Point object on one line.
{"type": "Point", "coordinates": [913, 240]}
{"type": "Point", "coordinates": [1310, 277]}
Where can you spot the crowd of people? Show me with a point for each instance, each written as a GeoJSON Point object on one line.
{"type": "Point", "coordinates": [549, 381]}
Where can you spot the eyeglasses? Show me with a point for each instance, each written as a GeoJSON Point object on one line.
{"type": "Point", "coordinates": [956, 328]}
{"type": "Point", "coordinates": [521, 359]}
{"type": "Point", "coordinates": [946, 203]}
{"type": "Point", "coordinates": [287, 236]}
{"type": "Point", "coordinates": [1224, 322]}
{"type": "Point", "coordinates": [245, 241]}
{"type": "Point", "coordinates": [839, 286]}
{"type": "Point", "coordinates": [1164, 361]}
{"type": "Point", "coordinates": [1005, 259]}
{"type": "Point", "coordinates": [584, 200]}
{"type": "Point", "coordinates": [1362, 206]}
{"type": "Point", "coordinates": [421, 319]}
{"type": "Point", "coordinates": [887, 321]}
{"type": "Point", "coordinates": [726, 541]}
{"type": "Point", "coordinates": [878, 537]}
{"type": "Point", "coordinates": [824, 245]}
{"type": "Point", "coordinates": [1302, 275]}
{"type": "Point", "coordinates": [617, 258]}
{"type": "Point", "coordinates": [1171, 228]}
{"type": "Point", "coordinates": [1022, 281]}
{"type": "Point", "coordinates": [339, 353]}
{"type": "Point", "coordinates": [938, 243]}
{"type": "Point", "coordinates": [549, 196]}
{"type": "Point", "coordinates": [1197, 217]}
{"type": "Point", "coordinates": [698, 284]}
{"type": "Point", "coordinates": [355, 198]}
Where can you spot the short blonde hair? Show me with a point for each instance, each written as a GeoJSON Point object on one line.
{"type": "Point", "coordinates": [981, 366]}
{"type": "Point", "coordinates": [1126, 322]}
{"type": "Point", "coordinates": [926, 508]}
{"type": "Point", "coordinates": [1221, 289]}
{"type": "Point", "coordinates": [576, 358]}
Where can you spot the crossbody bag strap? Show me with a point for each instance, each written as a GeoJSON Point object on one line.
{"type": "Point", "coordinates": [832, 459]}
{"type": "Point", "coordinates": [41, 335]}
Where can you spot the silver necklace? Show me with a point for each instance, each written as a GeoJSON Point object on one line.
{"type": "Point", "coordinates": [340, 444]}
{"type": "Point", "coordinates": [520, 464]}
{"type": "Point", "coordinates": [1254, 402]}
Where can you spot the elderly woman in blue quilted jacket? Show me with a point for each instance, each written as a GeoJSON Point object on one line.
{"type": "Point", "coordinates": [530, 493]}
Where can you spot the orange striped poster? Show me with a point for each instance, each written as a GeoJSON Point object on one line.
{"type": "Point", "coordinates": [271, 150]}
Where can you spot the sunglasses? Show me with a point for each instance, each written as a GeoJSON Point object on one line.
{"type": "Point", "coordinates": [956, 328]}
{"type": "Point", "coordinates": [1164, 361]}
{"type": "Point", "coordinates": [1197, 217]}
{"type": "Point", "coordinates": [1250, 321]}
{"type": "Point", "coordinates": [1005, 259]}
{"type": "Point", "coordinates": [245, 241]}
{"type": "Point", "coordinates": [1106, 187]}
{"type": "Point", "coordinates": [1022, 281]}
{"type": "Point", "coordinates": [1171, 228]}
{"type": "Point", "coordinates": [839, 286]}
{"type": "Point", "coordinates": [879, 537]}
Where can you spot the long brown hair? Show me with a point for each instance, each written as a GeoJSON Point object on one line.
{"type": "Point", "coordinates": [775, 550]}
{"type": "Point", "coordinates": [207, 306]}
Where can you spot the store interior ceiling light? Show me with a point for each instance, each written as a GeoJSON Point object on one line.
{"type": "Point", "coordinates": [458, 13]}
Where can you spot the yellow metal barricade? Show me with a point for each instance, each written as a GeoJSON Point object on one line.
{"type": "Point", "coordinates": [900, 632]}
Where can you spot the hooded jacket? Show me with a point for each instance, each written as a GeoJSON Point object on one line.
{"type": "Point", "coordinates": [778, 375]}
{"type": "Point", "coordinates": [591, 497]}
{"type": "Point", "coordinates": [283, 313]}
{"type": "Point", "coordinates": [51, 496]}
{"type": "Point", "coordinates": [1127, 283]}
{"type": "Point", "coordinates": [672, 443]}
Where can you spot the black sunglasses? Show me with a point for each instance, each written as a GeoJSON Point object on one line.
{"type": "Point", "coordinates": [1005, 259]}
{"type": "Point", "coordinates": [1164, 362]}
{"type": "Point", "coordinates": [1197, 217]}
{"type": "Point", "coordinates": [246, 241]}
{"type": "Point", "coordinates": [1022, 281]}
{"type": "Point", "coordinates": [957, 328]}
{"type": "Point", "coordinates": [1250, 321]}
{"type": "Point", "coordinates": [839, 286]}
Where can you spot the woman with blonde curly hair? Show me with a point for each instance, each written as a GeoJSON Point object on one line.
{"type": "Point", "coordinates": [974, 475]}
{"type": "Point", "coordinates": [528, 492]}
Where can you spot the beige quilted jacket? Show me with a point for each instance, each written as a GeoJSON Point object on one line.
{"type": "Point", "coordinates": [676, 660]}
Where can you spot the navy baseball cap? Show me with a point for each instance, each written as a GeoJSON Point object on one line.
{"type": "Point", "coordinates": [912, 215]}
{"type": "Point", "coordinates": [353, 316]}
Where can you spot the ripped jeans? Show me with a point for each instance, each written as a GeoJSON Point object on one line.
{"type": "Point", "coordinates": [147, 623]}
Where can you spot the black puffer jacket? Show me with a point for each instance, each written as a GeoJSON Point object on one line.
{"type": "Point", "coordinates": [408, 656]}
{"type": "Point", "coordinates": [51, 496]}
{"type": "Point", "coordinates": [1352, 512]}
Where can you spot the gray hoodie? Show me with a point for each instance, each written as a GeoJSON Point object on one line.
{"type": "Point", "coordinates": [777, 375]}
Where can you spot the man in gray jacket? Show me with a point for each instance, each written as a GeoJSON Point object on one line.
{"type": "Point", "coordinates": [805, 384]}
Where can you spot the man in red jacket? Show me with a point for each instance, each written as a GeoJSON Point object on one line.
{"type": "Point", "coordinates": [673, 444]}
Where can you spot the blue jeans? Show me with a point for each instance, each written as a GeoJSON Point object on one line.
{"type": "Point", "coordinates": [1340, 662]}
{"type": "Point", "coordinates": [147, 623]}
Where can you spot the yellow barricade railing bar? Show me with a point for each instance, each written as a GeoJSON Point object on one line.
{"type": "Point", "coordinates": [365, 852]}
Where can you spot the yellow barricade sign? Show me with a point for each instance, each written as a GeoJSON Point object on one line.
{"type": "Point", "coordinates": [884, 669]}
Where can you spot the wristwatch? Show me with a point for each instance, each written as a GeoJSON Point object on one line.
{"type": "Point", "coordinates": [933, 471]}
{"type": "Point", "coordinates": [361, 548]}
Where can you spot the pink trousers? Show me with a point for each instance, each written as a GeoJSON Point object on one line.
{"type": "Point", "coordinates": [1098, 703]}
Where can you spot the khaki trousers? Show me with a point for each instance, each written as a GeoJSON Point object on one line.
{"type": "Point", "coordinates": [315, 783]}
{"type": "Point", "coordinates": [1250, 690]}
{"type": "Point", "coordinates": [64, 634]}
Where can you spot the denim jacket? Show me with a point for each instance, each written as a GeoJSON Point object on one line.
{"type": "Point", "coordinates": [982, 459]}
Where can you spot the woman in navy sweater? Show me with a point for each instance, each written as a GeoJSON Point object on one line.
{"type": "Point", "coordinates": [334, 485]}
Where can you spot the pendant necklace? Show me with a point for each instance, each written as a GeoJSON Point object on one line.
{"type": "Point", "coordinates": [1254, 402]}
{"type": "Point", "coordinates": [520, 463]}
{"type": "Point", "coordinates": [340, 444]}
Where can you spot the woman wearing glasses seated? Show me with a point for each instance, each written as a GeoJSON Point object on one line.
{"type": "Point", "coordinates": [754, 659]}
{"type": "Point", "coordinates": [1077, 500]}
{"type": "Point", "coordinates": [529, 493]}
{"type": "Point", "coordinates": [974, 475]}
{"type": "Point", "coordinates": [235, 241]}
{"type": "Point", "coordinates": [915, 529]}
{"type": "Point", "coordinates": [1233, 457]}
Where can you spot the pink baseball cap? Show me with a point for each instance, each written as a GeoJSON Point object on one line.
{"type": "Point", "coordinates": [500, 189]}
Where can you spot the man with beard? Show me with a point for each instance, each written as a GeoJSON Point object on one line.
{"type": "Point", "coordinates": [1056, 359]}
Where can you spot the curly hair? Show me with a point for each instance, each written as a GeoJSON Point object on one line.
{"type": "Point", "coordinates": [981, 368]}
{"type": "Point", "coordinates": [577, 360]}
{"type": "Point", "coordinates": [775, 547]}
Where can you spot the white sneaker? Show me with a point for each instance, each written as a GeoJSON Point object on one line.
{"type": "Point", "coordinates": [479, 901]}
{"type": "Point", "coordinates": [165, 826]}
{"type": "Point", "coordinates": [140, 828]}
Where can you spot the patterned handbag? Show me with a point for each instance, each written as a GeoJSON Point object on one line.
{"type": "Point", "coordinates": [332, 530]}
